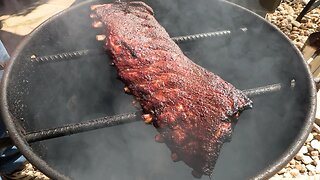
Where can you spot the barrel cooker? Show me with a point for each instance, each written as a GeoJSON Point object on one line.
{"type": "Point", "coordinates": [76, 83]}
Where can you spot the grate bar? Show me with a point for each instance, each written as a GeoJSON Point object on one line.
{"type": "Point", "coordinates": [194, 37]}
{"type": "Point", "coordinates": [262, 90]}
{"type": "Point", "coordinates": [86, 52]}
{"type": "Point", "coordinates": [268, 89]}
{"type": "Point", "coordinates": [75, 128]}
{"type": "Point", "coordinates": [110, 121]}
{"type": "Point", "coordinates": [65, 56]}
{"type": "Point", "coordinates": [89, 125]}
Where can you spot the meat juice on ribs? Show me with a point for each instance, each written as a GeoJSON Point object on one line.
{"type": "Point", "coordinates": [193, 109]}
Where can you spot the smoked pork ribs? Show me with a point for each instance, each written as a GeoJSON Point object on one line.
{"type": "Point", "coordinates": [193, 109]}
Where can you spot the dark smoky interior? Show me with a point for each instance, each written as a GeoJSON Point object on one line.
{"type": "Point", "coordinates": [46, 95]}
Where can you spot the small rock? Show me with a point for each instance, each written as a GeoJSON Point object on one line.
{"type": "Point", "coordinates": [296, 23]}
{"type": "Point", "coordinates": [37, 174]}
{"type": "Point", "coordinates": [285, 6]}
{"type": "Point", "coordinates": [274, 17]}
{"type": "Point", "coordinates": [29, 173]}
{"type": "Point", "coordinates": [309, 25]}
{"type": "Point", "coordinates": [285, 22]}
{"type": "Point", "coordinates": [292, 162]}
{"type": "Point", "coordinates": [310, 137]}
{"type": "Point", "coordinates": [306, 33]}
{"type": "Point", "coordinates": [305, 1]}
{"type": "Point", "coordinates": [299, 44]}
{"type": "Point", "coordinates": [317, 137]}
{"type": "Point", "coordinates": [311, 167]}
{"type": "Point", "coordinates": [315, 158]}
{"type": "Point", "coordinates": [299, 156]}
{"type": "Point", "coordinates": [313, 133]}
{"type": "Point", "coordinates": [310, 148]}
{"type": "Point", "coordinates": [301, 168]}
{"type": "Point", "coordinates": [316, 162]}
{"type": "Point", "coordinates": [314, 153]}
{"type": "Point", "coordinates": [295, 32]}
{"type": "Point", "coordinates": [306, 159]}
{"type": "Point", "coordinates": [311, 31]}
{"type": "Point", "coordinates": [284, 12]}
{"type": "Point", "coordinates": [293, 36]}
{"type": "Point", "coordinates": [280, 8]}
{"type": "Point", "coordinates": [311, 173]}
{"type": "Point", "coordinates": [294, 172]}
{"type": "Point", "coordinates": [287, 166]}
{"type": "Point", "coordinates": [289, 26]}
{"type": "Point", "coordinates": [315, 144]}
{"type": "Point", "coordinates": [317, 169]}
{"type": "Point", "coordinates": [303, 150]}
{"type": "Point", "coordinates": [316, 128]}
{"type": "Point", "coordinates": [307, 16]}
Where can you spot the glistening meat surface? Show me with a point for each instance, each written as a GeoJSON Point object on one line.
{"type": "Point", "coordinates": [193, 109]}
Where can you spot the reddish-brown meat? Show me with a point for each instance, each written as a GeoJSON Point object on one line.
{"type": "Point", "coordinates": [192, 108]}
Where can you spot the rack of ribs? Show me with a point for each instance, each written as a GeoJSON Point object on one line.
{"type": "Point", "coordinates": [193, 109]}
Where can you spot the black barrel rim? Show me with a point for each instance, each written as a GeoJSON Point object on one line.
{"type": "Point", "coordinates": [303, 135]}
{"type": "Point", "coordinates": [19, 141]}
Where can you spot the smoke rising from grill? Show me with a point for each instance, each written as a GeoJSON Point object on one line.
{"type": "Point", "coordinates": [64, 92]}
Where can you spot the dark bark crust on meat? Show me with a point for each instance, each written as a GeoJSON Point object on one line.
{"type": "Point", "coordinates": [193, 109]}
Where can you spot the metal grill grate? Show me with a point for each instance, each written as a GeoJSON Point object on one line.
{"type": "Point", "coordinates": [110, 121]}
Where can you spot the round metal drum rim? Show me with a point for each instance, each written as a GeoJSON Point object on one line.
{"type": "Point", "coordinates": [14, 134]}
{"type": "Point", "coordinates": [284, 159]}
{"type": "Point", "coordinates": [39, 163]}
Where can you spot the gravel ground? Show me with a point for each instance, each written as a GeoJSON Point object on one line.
{"type": "Point", "coordinates": [306, 164]}
{"type": "Point", "coordinates": [27, 173]}
{"type": "Point", "coordinates": [284, 18]}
